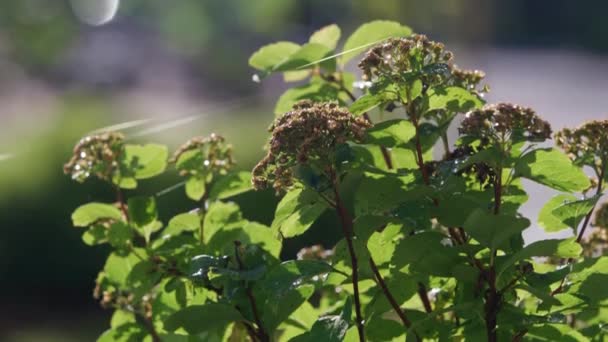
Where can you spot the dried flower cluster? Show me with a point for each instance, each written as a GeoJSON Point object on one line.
{"type": "Point", "coordinates": [95, 155]}
{"type": "Point", "coordinates": [309, 132]}
{"type": "Point", "coordinates": [315, 252]}
{"type": "Point", "coordinates": [504, 121]}
{"type": "Point", "coordinates": [203, 156]}
{"type": "Point", "coordinates": [400, 55]}
{"type": "Point", "coordinates": [587, 144]}
{"type": "Point", "coordinates": [468, 79]}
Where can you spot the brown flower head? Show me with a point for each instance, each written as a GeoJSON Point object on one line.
{"type": "Point", "coordinates": [503, 121]}
{"type": "Point", "coordinates": [309, 132]}
{"type": "Point", "coordinates": [468, 79]}
{"type": "Point", "coordinates": [95, 155]}
{"type": "Point", "coordinates": [401, 55]}
{"type": "Point", "coordinates": [204, 156]}
{"type": "Point", "coordinates": [587, 144]}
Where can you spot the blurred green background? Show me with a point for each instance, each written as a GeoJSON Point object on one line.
{"type": "Point", "coordinates": [182, 65]}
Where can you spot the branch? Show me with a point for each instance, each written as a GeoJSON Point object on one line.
{"type": "Point", "coordinates": [347, 230]}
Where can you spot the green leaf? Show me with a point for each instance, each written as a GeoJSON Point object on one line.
{"type": "Point", "coordinates": [270, 55]}
{"type": "Point", "coordinates": [297, 75]}
{"type": "Point", "coordinates": [278, 307]}
{"type": "Point", "coordinates": [221, 217]}
{"type": "Point", "coordinates": [297, 211]}
{"type": "Point", "coordinates": [87, 214]}
{"type": "Point", "coordinates": [292, 273]}
{"type": "Point", "coordinates": [197, 319]}
{"type": "Point", "coordinates": [554, 332]}
{"type": "Point", "coordinates": [328, 36]}
{"type": "Point", "coordinates": [567, 248]}
{"type": "Point", "coordinates": [547, 220]}
{"type": "Point", "coordinates": [553, 169]}
{"type": "Point", "coordinates": [195, 187]}
{"type": "Point", "coordinates": [142, 210]}
{"type": "Point", "coordinates": [370, 33]}
{"type": "Point", "coordinates": [304, 57]}
{"type": "Point", "coordinates": [129, 332]}
{"type": "Point", "coordinates": [572, 213]}
{"type": "Point", "coordinates": [491, 230]}
{"type": "Point", "coordinates": [230, 185]}
{"type": "Point", "coordinates": [391, 133]}
{"type": "Point", "coordinates": [140, 162]}
{"type": "Point", "coordinates": [262, 235]}
{"type": "Point", "coordinates": [119, 235]}
{"type": "Point", "coordinates": [95, 235]}
{"type": "Point", "coordinates": [316, 91]}
{"type": "Point", "coordinates": [117, 268]}
{"type": "Point", "coordinates": [186, 222]}
{"type": "Point", "coordinates": [330, 328]}
{"type": "Point", "coordinates": [426, 252]}
{"type": "Point", "coordinates": [453, 99]}
{"type": "Point", "coordinates": [366, 103]}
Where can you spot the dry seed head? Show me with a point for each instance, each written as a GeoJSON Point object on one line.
{"type": "Point", "coordinates": [400, 55]}
{"type": "Point", "coordinates": [587, 144]}
{"type": "Point", "coordinates": [95, 155]}
{"type": "Point", "coordinates": [309, 132]}
{"type": "Point", "coordinates": [216, 156]}
{"type": "Point", "coordinates": [505, 121]}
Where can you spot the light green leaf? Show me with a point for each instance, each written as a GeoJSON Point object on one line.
{"type": "Point", "coordinates": [278, 307]}
{"type": "Point", "coordinates": [328, 36]}
{"type": "Point", "coordinates": [230, 185]}
{"type": "Point", "coordinates": [117, 267]}
{"type": "Point", "coordinates": [221, 216]}
{"type": "Point", "coordinates": [366, 103]}
{"type": "Point", "coordinates": [316, 91]}
{"type": "Point", "coordinates": [567, 248]}
{"type": "Point", "coordinates": [186, 222]}
{"type": "Point", "coordinates": [573, 212]}
{"type": "Point", "coordinates": [297, 211]}
{"type": "Point", "coordinates": [197, 319]}
{"type": "Point", "coordinates": [119, 235]}
{"type": "Point", "coordinates": [95, 235]}
{"type": "Point", "coordinates": [391, 133]}
{"type": "Point", "coordinates": [304, 57]}
{"type": "Point", "coordinates": [372, 32]}
{"type": "Point", "coordinates": [453, 99]}
{"type": "Point", "coordinates": [547, 220]}
{"type": "Point", "coordinates": [87, 214]}
{"type": "Point", "coordinates": [297, 75]}
{"type": "Point", "coordinates": [491, 230]}
{"type": "Point", "coordinates": [292, 273]}
{"type": "Point", "coordinates": [195, 188]}
{"type": "Point", "coordinates": [262, 235]}
{"type": "Point", "coordinates": [426, 252]}
{"type": "Point", "coordinates": [128, 332]}
{"type": "Point", "coordinates": [331, 328]}
{"type": "Point", "coordinates": [554, 332]}
{"type": "Point", "coordinates": [273, 54]}
{"type": "Point", "coordinates": [552, 168]}
{"type": "Point", "coordinates": [142, 210]}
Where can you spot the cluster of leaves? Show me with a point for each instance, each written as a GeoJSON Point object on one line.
{"type": "Point", "coordinates": [432, 248]}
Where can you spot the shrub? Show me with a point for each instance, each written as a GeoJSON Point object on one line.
{"type": "Point", "coordinates": [432, 248]}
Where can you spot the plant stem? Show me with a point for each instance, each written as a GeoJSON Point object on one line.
{"type": "Point", "coordinates": [389, 296]}
{"type": "Point", "coordinates": [261, 332]}
{"type": "Point", "coordinates": [203, 212]}
{"type": "Point", "coordinates": [493, 297]}
{"type": "Point", "coordinates": [600, 184]}
{"type": "Point", "coordinates": [347, 229]}
{"type": "Point", "coordinates": [148, 325]}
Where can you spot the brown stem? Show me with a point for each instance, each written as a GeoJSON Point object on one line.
{"type": "Point", "coordinates": [261, 332]}
{"type": "Point", "coordinates": [588, 217]}
{"type": "Point", "coordinates": [121, 202]}
{"type": "Point", "coordinates": [148, 325]}
{"type": "Point", "coordinates": [493, 296]}
{"type": "Point", "coordinates": [347, 230]}
{"type": "Point", "coordinates": [389, 296]}
{"type": "Point", "coordinates": [424, 297]}
{"type": "Point", "coordinates": [446, 145]}
{"type": "Point", "coordinates": [203, 212]}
